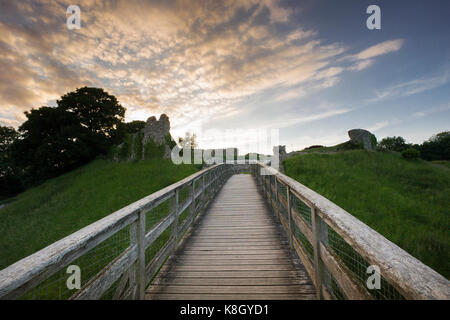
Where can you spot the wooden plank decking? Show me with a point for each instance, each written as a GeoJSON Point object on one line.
{"type": "Point", "coordinates": [235, 251]}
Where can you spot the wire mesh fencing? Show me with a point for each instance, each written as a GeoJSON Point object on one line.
{"type": "Point", "coordinates": [90, 264]}
{"type": "Point", "coordinates": [351, 262]}
{"type": "Point", "coordinates": [112, 268]}
{"type": "Point", "coordinates": [358, 267]}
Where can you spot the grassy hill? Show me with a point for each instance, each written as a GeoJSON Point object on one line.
{"type": "Point", "coordinates": [63, 205]}
{"type": "Point", "coordinates": [406, 201]}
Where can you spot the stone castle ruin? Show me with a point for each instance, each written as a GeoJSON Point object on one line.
{"type": "Point", "coordinates": [153, 141]}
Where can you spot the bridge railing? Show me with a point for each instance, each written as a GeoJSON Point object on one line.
{"type": "Point", "coordinates": [340, 252]}
{"type": "Point", "coordinates": [118, 255]}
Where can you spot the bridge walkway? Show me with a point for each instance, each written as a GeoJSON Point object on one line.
{"type": "Point", "coordinates": [236, 250]}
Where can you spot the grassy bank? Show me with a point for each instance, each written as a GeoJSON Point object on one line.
{"type": "Point", "coordinates": [61, 206]}
{"type": "Point", "coordinates": [406, 201]}
{"type": "Point", "coordinates": [443, 163]}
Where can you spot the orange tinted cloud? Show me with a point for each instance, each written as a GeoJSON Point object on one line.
{"type": "Point", "coordinates": [191, 59]}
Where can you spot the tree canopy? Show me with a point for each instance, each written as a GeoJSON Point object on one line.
{"type": "Point", "coordinates": [54, 140]}
{"type": "Point", "coordinates": [97, 111]}
{"type": "Point", "coordinates": [7, 136]}
{"type": "Point", "coordinates": [397, 144]}
{"type": "Point", "coordinates": [9, 181]}
{"type": "Point", "coordinates": [437, 147]}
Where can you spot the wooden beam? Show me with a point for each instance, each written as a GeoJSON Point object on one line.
{"type": "Point", "coordinates": [316, 226]}
{"type": "Point", "coordinates": [140, 274]}
{"type": "Point", "coordinates": [100, 283]}
{"type": "Point", "coordinates": [174, 216]}
{"type": "Point", "coordinates": [352, 289]}
{"type": "Point", "coordinates": [301, 224]}
{"type": "Point", "coordinates": [304, 258]}
{"type": "Point", "coordinates": [289, 212]}
{"type": "Point", "coordinates": [158, 229]}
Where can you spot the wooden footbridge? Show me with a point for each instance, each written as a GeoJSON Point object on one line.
{"type": "Point", "coordinates": [235, 251]}
{"type": "Point", "coordinates": [230, 231]}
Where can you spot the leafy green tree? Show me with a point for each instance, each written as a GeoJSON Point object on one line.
{"type": "Point", "coordinates": [397, 144]}
{"type": "Point", "coordinates": [97, 111]}
{"type": "Point", "coordinates": [85, 124]}
{"type": "Point", "coordinates": [9, 179]}
{"type": "Point", "coordinates": [52, 142]}
{"type": "Point", "coordinates": [437, 147]}
{"type": "Point", "coordinates": [7, 136]}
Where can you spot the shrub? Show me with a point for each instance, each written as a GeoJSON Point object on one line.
{"type": "Point", "coordinates": [373, 139]}
{"type": "Point", "coordinates": [313, 147]}
{"type": "Point", "coordinates": [411, 153]}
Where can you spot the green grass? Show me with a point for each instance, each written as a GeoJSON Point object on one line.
{"type": "Point", "coordinates": [320, 149]}
{"type": "Point", "coordinates": [6, 200]}
{"type": "Point", "coordinates": [444, 163]}
{"type": "Point", "coordinates": [61, 206]}
{"type": "Point", "coordinates": [406, 201]}
{"type": "Point", "coordinates": [345, 146]}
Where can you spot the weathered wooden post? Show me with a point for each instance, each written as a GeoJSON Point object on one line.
{"type": "Point", "coordinates": [134, 267]}
{"type": "Point", "coordinates": [209, 185]}
{"type": "Point", "coordinates": [277, 200]}
{"type": "Point", "coordinates": [204, 195]}
{"type": "Point", "coordinates": [192, 206]}
{"type": "Point", "coordinates": [289, 211]}
{"type": "Point", "coordinates": [140, 263]}
{"type": "Point", "coordinates": [276, 189]}
{"type": "Point", "coordinates": [174, 212]}
{"type": "Point", "coordinates": [214, 181]}
{"type": "Point", "coordinates": [317, 227]}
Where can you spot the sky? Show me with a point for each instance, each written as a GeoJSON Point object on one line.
{"type": "Point", "coordinates": [309, 69]}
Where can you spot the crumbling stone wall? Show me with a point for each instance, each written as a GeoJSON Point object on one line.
{"type": "Point", "coordinates": [153, 141]}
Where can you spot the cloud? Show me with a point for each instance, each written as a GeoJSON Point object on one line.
{"type": "Point", "coordinates": [380, 49]}
{"type": "Point", "coordinates": [288, 121]}
{"type": "Point", "coordinates": [364, 59]}
{"type": "Point", "coordinates": [291, 94]}
{"type": "Point", "coordinates": [408, 88]}
{"type": "Point", "coordinates": [361, 65]}
{"type": "Point", "coordinates": [377, 126]}
{"type": "Point", "coordinates": [188, 59]}
{"type": "Point", "coordinates": [427, 112]}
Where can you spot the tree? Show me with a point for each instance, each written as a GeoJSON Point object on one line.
{"type": "Point", "coordinates": [52, 142]}
{"type": "Point", "coordinates": [7, 136]}
{"type": "Point", "coordinates": [85, 123]}
{"type": "Point", "coordinates": [437, 147]}
{"type": "Point", "coordinates": [189, 141]}
{"type": "Point", "coordinates": [97, 111]}
{"type": "Point", "coordinates": [134, 126]}
{"type": "Point", "coordinates": [397, 144]}
{"type": "Point", "coordinates": [9, 180]}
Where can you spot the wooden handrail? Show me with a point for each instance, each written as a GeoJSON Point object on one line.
{"type": "Point", "coordinates": [408, 275]}
{"type": "Point", "coordinates": [22, 276]}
